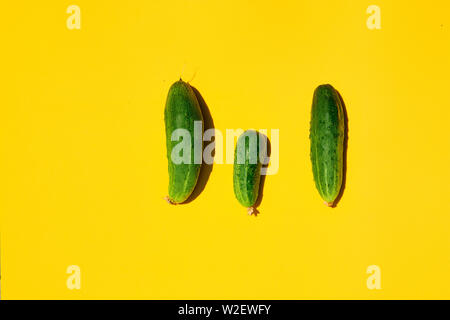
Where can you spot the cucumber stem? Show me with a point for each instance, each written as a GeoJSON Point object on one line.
{"type": "Point", "coordinates": [328, 204]}
{"type": "Point", "coordinates": [169, 201]}
{"type": "Point", "coordinates": [250, 210]}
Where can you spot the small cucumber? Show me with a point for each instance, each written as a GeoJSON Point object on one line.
{"type": "Point", "coordinates": [182, 111]}
{"type": "Point", "coordinates": [327, 142]}
{"type": "Point", "coordinates": [247, 169]}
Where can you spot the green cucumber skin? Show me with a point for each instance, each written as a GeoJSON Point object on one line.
{"type": "Point", "coordinates": [327, 141]}
{"type": "Point", "coordinates": [182, 109]}
{"type": "Point", "coordinates": [246, 176]}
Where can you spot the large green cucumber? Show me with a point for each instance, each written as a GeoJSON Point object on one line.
{"type": "Point", "coordinates": [247, 169]}
{"type": "Point", "coordinates": [181, 112]}
{"type": "Point", "coordinates": [327, 142]}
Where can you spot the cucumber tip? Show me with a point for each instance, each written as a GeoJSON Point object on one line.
{"type": "Point", "coordinates": [169, 201]}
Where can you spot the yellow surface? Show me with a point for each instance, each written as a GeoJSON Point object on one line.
{"type": "Point", "coordinates": [84, 170]}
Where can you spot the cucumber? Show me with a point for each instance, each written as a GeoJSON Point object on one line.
{"type": "Point", "coordinates": [183, 111]}
{"type": "Point", "coordinates": [327, 142]}
{"type": "Point", "coordinates": [247, 169]}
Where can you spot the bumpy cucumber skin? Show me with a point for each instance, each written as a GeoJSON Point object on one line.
{"type": "Point", "coordinates": [246, 176]}
{"type": "Point", "coordinates": [327, 142]}
{"type": "Point", "coordinates": [182, 109]}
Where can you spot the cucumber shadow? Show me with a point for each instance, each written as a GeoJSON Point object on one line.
{"type": "Point", "coordinates": [344, 160]}
{"type": "Point", "coordinates": [262, 180]}
{"type": "Point", "coordinates": [205, 169]}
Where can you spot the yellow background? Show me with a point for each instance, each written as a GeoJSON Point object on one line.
{"type": "Point", "coordinates": [84, 169]}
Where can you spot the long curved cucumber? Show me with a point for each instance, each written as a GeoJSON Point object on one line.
{"type": "Point", "coordinates": [183, 111]}
{"type": "Point", "coordinates": [327, 142]}
{"type": "Point", "coordinates": [247, 169]}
